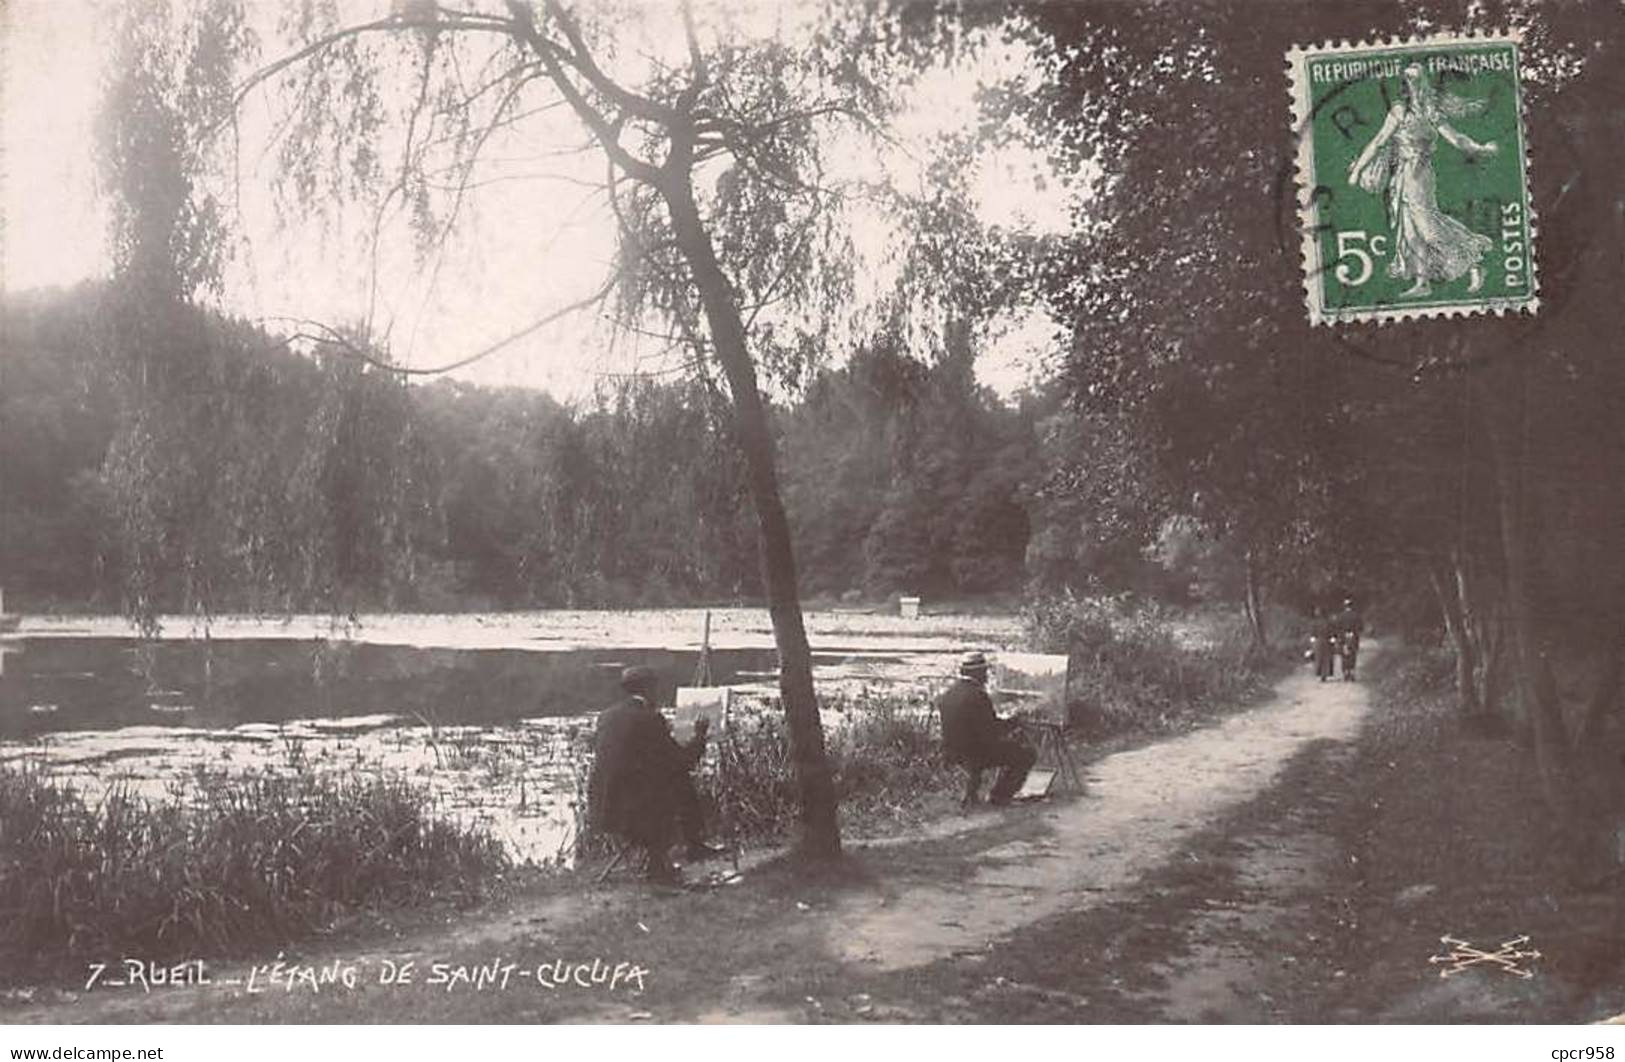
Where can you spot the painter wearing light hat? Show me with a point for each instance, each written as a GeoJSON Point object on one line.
{"type": "Point", "coordinates": [974, 665]}
{"type": "Point", "coordinates": [976, 739]}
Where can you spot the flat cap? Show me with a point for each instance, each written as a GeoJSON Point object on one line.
{"type": "Point", "coordinates": [638, 679]}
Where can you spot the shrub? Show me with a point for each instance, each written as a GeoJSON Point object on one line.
{"type": "Point", "coordinates": [1132, 670]}
{"type": "Point", "coordinates": [885, 753]}
{"type": "Point", "coordinates": [245, 863]}
{"type": "Point", "coordinates": [1413, 675]}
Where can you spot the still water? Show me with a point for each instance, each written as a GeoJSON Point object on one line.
{"type": "Point", "coordinates": [494, 737]}
{"type": "Point", "coordinates": [70, 684]}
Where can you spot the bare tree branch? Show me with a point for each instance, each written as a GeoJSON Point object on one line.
{"type": "Point", "coordinates": [696, 58]}
{"type": "Point", "coordinates": [605, 131]}
{"type": "Point", "coordinates": [507, 178]}
{"type": "Point", "coordinates": [392, 24]}
{"type": "Point", "coordinates": [466, 173]}
{"type": "Point", "coordinates": [579, 56]}
{"type": "Point", "coordinates": [329, 336]}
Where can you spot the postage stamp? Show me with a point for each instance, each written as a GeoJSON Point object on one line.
{"type": "Point", "coordinates": [1412, 178]}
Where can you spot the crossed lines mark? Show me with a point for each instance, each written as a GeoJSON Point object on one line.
{"type": "Point", "coordinates": [1463, 955]}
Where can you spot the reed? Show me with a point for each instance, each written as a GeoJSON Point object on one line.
{"type": "Point", "coordinates": [1132, 672]}
{"type": "Point", "coordinates": [229, 866]}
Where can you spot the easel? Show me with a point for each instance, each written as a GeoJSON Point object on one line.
{"type": "Point", "coordinates": [702, 670]}
{"type": "Point", "coordinates": [1052, 741]}
{"type": "Point", "coordinates": [1051, 736]}
{"type": "Point", "coordinates": [703, 679]}
{"type": "Point", "coordinates": [621, 848]}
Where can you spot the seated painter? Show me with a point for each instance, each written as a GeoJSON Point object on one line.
{"type": "Point", "coordinates": [976, 739]}
{"type": "Point", "coordinates": [641, 780]}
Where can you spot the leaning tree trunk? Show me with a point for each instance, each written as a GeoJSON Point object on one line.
{"type": "Point", "coordinates": [1458, 627]}
{"type": "Point", "coordinates": [1535, 684]}
{"type": "Point", "coordinates": [1254, 602]}
{"type": "Point", "coordinates": [820, 836]}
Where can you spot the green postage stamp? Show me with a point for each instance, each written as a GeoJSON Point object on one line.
{"type": "Point", "coordinates": [1413, 187]}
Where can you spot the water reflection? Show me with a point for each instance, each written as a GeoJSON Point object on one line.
{"type": "Point", "coordinates": [58, 684]}
{"type": "Point", "coordinates": [493, 736]}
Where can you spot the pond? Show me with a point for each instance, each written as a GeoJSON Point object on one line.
{"type": "Point", "coordinates": [493, 736]}
{"type": "Point", "coordinates": [50, 685]}
{"type": "Point", "coordinates": [487, 713]}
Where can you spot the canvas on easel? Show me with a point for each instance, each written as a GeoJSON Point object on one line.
{"type": "Point", "coordinates": [694, 702]}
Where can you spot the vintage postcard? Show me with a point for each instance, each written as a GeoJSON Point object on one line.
{"type": "Point", "coordinates": [658, 512]}
{"type": "Point", "coordinates": [1413, 186]}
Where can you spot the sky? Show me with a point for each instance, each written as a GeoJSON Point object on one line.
{"type": "Point", "coordinates": [524, 245]}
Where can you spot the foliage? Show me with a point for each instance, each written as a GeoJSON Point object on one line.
{"type": "Point", "coordinates": [1474, 457]}
{"type": "Point", "coordinates": [732, 241]}
{"type": "Point", "coordinates": [885, 750]}
{"type": "Point", "coordinates": [331, 486]}
{"type": "Point", "coordinates": [904, 476]}
{"type": "Point", "coordinates": [239, 864]}
{"type": "Point", "coordinates": [1132, 670]}
{"type": "Point", "coordinates": [1415, 676]}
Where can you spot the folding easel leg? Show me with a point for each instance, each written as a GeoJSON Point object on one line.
{"type": "Point", "coordinates": [609, 868]}
{"type": "Point", "coordinates": [1069, 767]}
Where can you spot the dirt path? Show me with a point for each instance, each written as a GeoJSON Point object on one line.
{"type": "Point", "coordinates": [1141, 807]}
{"type": "Point", "coordinates": [945, 900]}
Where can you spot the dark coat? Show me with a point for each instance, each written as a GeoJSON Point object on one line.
{"type": "Point", "coordinates": [969, 727]}
{"type": "Point", "coordinates": [1325, 636]}
{"type": "Point", "coordinates": [636, 768]}
{"type": "Point", "coordinates": [1348, 622]}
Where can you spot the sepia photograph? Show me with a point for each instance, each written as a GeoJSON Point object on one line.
{"type": "Point", "coordinates": [849, 513]}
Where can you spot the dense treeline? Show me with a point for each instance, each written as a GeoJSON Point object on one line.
{"type": "Point", "coordinates": [347, 488]}
{"type": "Point", "coordinates": [1463, 472]}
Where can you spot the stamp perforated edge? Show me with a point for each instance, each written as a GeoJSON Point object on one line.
{"type": "Point", "coordinates": [1309, 252]}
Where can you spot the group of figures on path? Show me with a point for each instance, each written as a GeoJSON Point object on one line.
{"type": "Point", "coordinates": [1336, 637]}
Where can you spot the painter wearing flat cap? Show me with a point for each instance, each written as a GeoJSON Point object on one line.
{"type": "Point", "coordinates": [976, 739]}
{"type": "Point", "coordinates": [640, 785]}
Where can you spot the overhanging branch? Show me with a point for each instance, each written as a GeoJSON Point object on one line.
{"type": "Point", "coordinates": [329, 336]}
{"type": "Point", "coordinates": [392, 24]}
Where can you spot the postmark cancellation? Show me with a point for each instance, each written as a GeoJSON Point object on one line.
{"type": "Point", "coordinates": [1412, 178]}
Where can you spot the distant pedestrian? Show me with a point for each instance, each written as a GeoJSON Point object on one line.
{"type": "Point", "coordinates": [976, 739]}
{"type": "Point", "coordinates": [1349, 626]}
{"type": "Point", "coordinates": [1322, 641]}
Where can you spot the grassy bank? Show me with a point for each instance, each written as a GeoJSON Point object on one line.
{"type": "Point", "coordinates": [1449, 834]}
{"type": "Point", "coordinates": [250, 863]}
{"type": "Point", "coordinates": [1138, 669]}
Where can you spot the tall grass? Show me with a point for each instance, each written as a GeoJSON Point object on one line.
{"type": "Point", "coordinates": [885, 754]}
{"type": "Point", "coordinates": [241, 864]}
{"type": "Point", "coordinates": [1133, 670]}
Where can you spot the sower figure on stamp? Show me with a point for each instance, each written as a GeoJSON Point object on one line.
{"type": "Point", "coordinates": [976, 739]}
{"type": "Point", "coordinates": [641, 778]}
{"type": "Point", "coordinates": [1429, 245]}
